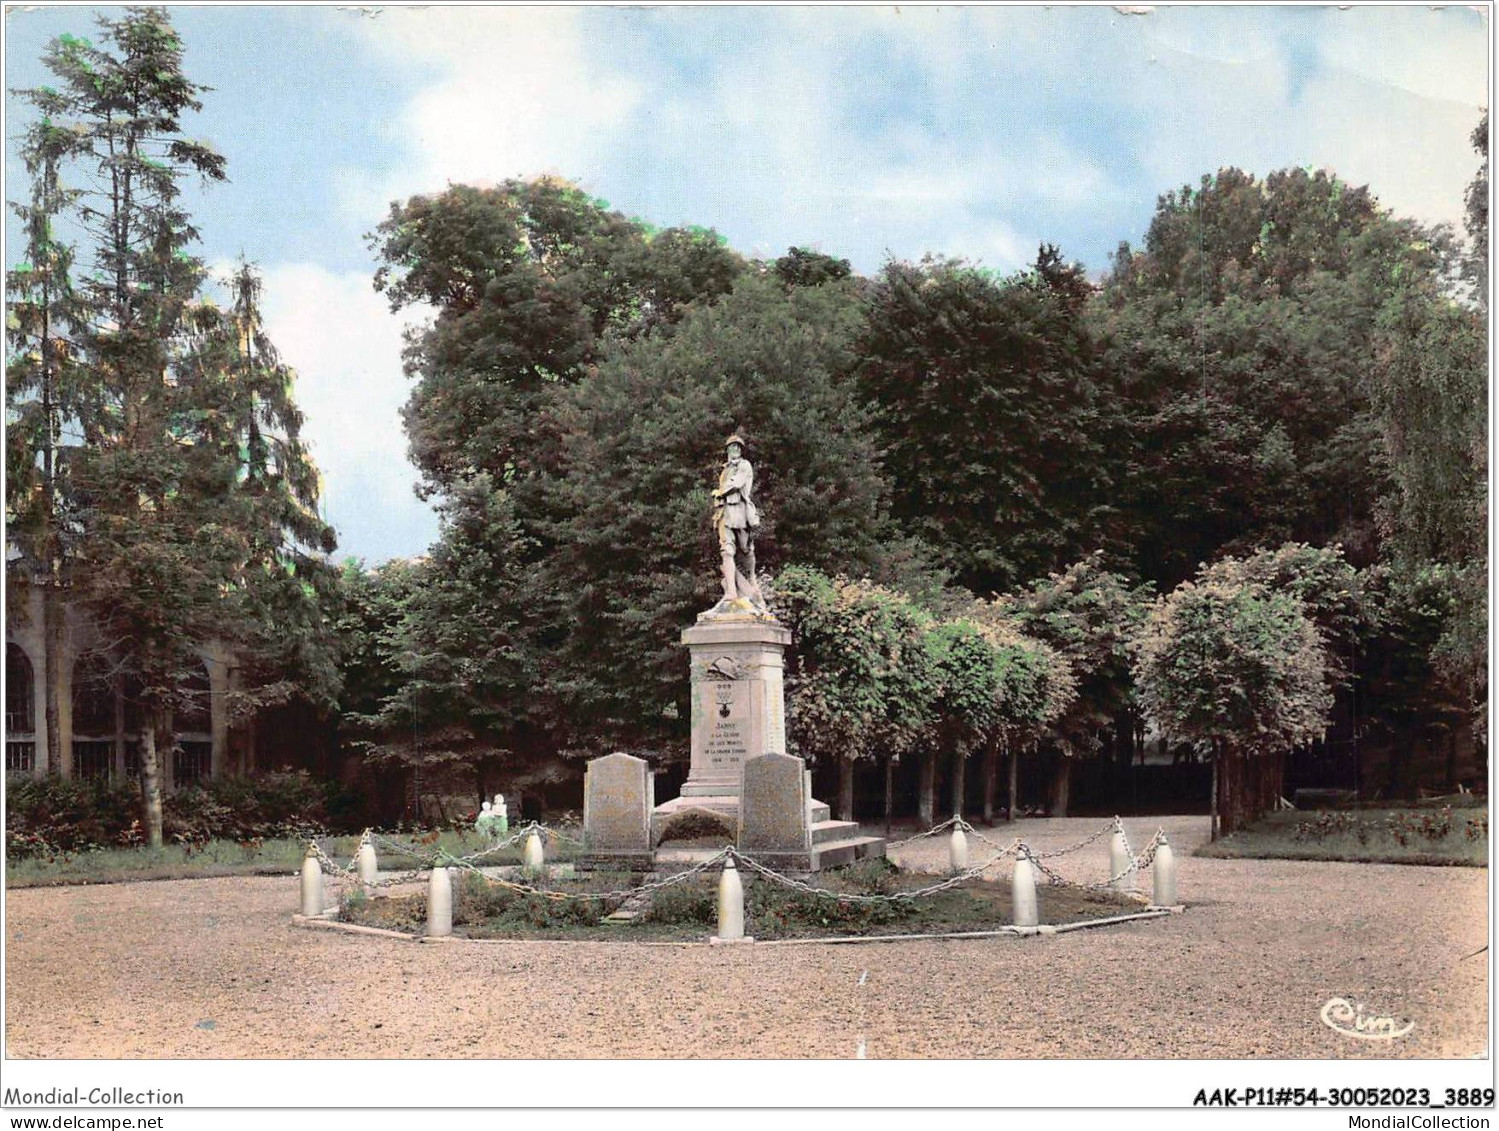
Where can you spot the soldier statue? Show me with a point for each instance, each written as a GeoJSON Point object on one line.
{"type": "Point", "coordinates": [736, 520]}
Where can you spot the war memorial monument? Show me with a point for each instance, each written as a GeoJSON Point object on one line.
{"type": "Point", "coordinates": [740, 772]}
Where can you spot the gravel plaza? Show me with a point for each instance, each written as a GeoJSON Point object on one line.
{"type": "Point", "coordinates": [213, 969]}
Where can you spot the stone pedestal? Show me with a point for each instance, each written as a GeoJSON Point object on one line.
{"type": "Point", "coordinates": [739, 714]}
{"type": "Point", "coordinates": [738, 699]}
{"type": "Point", "coordinates": [738, 709]}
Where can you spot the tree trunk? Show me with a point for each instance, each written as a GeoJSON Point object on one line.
{"type": "Point", "coordinates": [926, 794]}
{"type": "Point", "coordinates": [959, 765]}
{"type": "Point", "coordinates": [1452, 760]}
{"type": "Point", "coordinates": [889, 790]}
{"type": "Point", "coordinates": [1124, 739]}
{"type": "Point", "coordinates": [59, 761]}
{"type": "Point", "coordinates": [989, 771]}
{"type": "Point", "coordinates": [845, 789]}
{"type": "Point", "coordinates": [119, 744]}
{"type": "Point", "coordinates": [151, 780]}
{"type": "Point", "coordinates": [1213, 803]}
{"type": "Point", "coordinates": [1400, 752]}
{"type": "Point", "coordinates": [1011, 806]}
{"type": "Point", "coordinates": [1061, 786]}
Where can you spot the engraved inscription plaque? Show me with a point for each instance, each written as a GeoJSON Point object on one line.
{"type": "Point", "coordinates": [737, 712]}
{"type": "Point", "coordinates": [727, 734]}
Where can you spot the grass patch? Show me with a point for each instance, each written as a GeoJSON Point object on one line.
{"type": "Point", "coordinates": [277, 857]}
{"type": "Point", "coordinates": [1423, 835]}
{"type": "Point", "coordinates": [689, 911]}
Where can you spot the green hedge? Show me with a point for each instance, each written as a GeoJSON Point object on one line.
{"type": "Point", "coordinates": [46, 816]}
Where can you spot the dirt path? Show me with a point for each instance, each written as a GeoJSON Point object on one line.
{"type": "Point", "coordinates": [213, 968]}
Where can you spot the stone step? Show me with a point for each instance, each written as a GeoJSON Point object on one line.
{"type": "Point", "coordinates": [676, 859]}
{"type": "Point", "coordinates": [819, 811]}
{"type": "Point", "coordinates": [834, 854]}
{"type": "Point", "coordinates": [635, 906]}
{"type": "Point", "coordinates": [825, 830]}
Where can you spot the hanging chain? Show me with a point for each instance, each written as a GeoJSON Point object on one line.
{"type": "Point", "coordinates": [1018, 849]}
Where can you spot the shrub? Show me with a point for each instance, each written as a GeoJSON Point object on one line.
{"type": "Point", "coordinates": [476, 901]}
{"type": "Point", "coordinates": [51, 816]}
{"type": "Point", "coordinates": [691, 903]}
{"type": "Point", "coordinates": [770, 908]}
{"type": "Point", "coordinates": [698, 824]}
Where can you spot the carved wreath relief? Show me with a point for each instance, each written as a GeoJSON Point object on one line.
{"type": "Point", "coordinates": [726, 668]}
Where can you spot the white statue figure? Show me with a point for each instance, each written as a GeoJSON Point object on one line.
{"type": "Point", "coordinates": [493, 822]}
{"type": "Point", "coordinates": [736, 520]}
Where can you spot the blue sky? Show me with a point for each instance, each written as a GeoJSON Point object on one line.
{"type": "Point", "coordinates": [864, 132]}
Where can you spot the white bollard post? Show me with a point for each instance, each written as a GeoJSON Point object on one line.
{"type": "Point", "coordinates": [533, 858]}
{"type": "Point", "coordinates": [1023, 893]}
{"type": "Point", "coordinates": [730, 903]}
{"type": "Point", "coordinates": [440, 903]}
{"type": "Point", "coordinates": [312, 884]}
{"type": "Point", "coordinates": [368, 864]}
{"type": "Point", "coordinates": [1119, 861]}
{"type": "Point", "coordinates": [1163, 872]}
{"type": "Point", "coordinates": [957, 850]}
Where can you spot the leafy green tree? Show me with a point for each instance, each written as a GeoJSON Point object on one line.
{"type": "Point", "coordinates": [1476, 263]}
{"type": "Point", "coordinates": [1089, 615]}
{"type": "Point", "coordinates": [1239, 670]}
{"type": "Point", "coordinates": [371, 603]}
{"type": "Point", "coordinates": [116, 117]}
{"type": "Point", "coordinates": [1408, 693]}
{"type": "Point", "coordinates": [967, 679]}
{"type": "Point", "coordinates": [1331, 592]}
{"type": "Point", "coordinates": [527, 280]}
{"type": "Point", "coordinates": [1239, 341]}
{"type": "Point", "coordinates": [991, 423]}
{"type": "Point", "coordinates": [857, 684]}
{"type": "Point", "coordinates": [1036, 687]}
{"type": "Point", "coordinates": [1430, 381]}
{"type": "Point", "coordinates": [468, 688]}
{"type": "Point", "coordinates": [192, 502]}
{"type": "Point", "coordinates": [248, 457]}
{"type": "Point", "coordinates": [1432, 393]}
{"type": "Point", "coordinates": [802, 267]}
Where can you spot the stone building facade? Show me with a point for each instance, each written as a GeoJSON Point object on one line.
{"type": "Point", "coordinates": [99, 725]}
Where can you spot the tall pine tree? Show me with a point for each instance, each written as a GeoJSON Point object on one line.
{"type": "Point", "coordinates": [191, 501]}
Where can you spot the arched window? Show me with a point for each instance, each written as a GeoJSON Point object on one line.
{"type": "Point", "coordinates": [94, 693]}
{"type": "Point", "coordinates": [193, 724]}
{"type": "Point", "coordinates": [20, 712]}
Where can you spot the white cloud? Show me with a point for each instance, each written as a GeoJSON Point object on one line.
{"type": "Point", "coordinates": [1433, 54]}
{"type": "Point", "coordinates": [345, 345]}
{"type": "Point", "coordinates": [514, 95]}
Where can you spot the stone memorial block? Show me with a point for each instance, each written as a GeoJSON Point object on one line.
{"type": "Point", "coordinates": [737, 699]}
{"type": "Point", "coordinates": [773, 809]}
{"type": "Point", "coordinates": [618, 796]}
